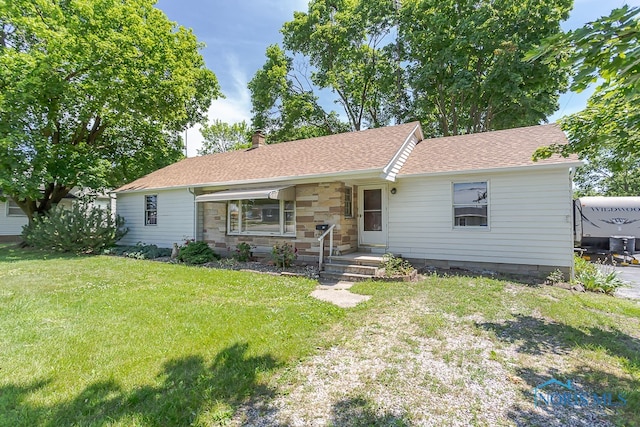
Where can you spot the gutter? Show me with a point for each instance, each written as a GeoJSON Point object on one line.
{"type": "Point", "coordinates": [493, 170]}
{"type": "Point", "coordinates": [313, 178]}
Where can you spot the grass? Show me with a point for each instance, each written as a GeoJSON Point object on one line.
{"type": "Point", "coordinates": [89, 339]}
{"type": "Point", "coordinates": [590, 338]}
{"type": "Point", "coordinates": [114, 341]}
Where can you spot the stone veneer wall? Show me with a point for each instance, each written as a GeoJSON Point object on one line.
{"type": "Point", "coordinates": [321, 203]}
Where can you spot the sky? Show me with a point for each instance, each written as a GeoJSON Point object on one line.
{"type": "Point", "coordinates": [236, 35]}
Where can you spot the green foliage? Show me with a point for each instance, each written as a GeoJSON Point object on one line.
{"type": "Point", "coordinates": [93, 93]}
{"type": "Point", "coordinates": [81, 229]}
{"type": "Point", "coordinates": [455, 66]}
{"type": "Point", "coordinates": [285, 108]}
{"type": "Point", "coordinates": [220, 137]}
{"type": "Point", "coordinates": [605, 49]}
{"type": "Point", "coordinates": [465, 66]}
{"type": "Point", "coordinates": [555, 277]}
{"type": "Point", "coordinates": [197, 253]}
{"type": "Point", "coordinates": [349, 46]}
{"type": "Point", "coordinates": [244, 251]}
{"type": "Point", "coordinates": [606, 133]}
{"type": "Point", "coordinates": [139, 251]}
{"type": "Point", "coordinates": [283, 255]}
{"type": "Point", "coordinates": [596, 278]}
{"type": "Point", "coordinates": [396, 266]}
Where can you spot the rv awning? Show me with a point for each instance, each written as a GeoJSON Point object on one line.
{"type": "Point", "coordinates": [277, 193]}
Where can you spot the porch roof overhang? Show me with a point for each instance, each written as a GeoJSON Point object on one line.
{"type": "Point", "coordinates": [274, 193]}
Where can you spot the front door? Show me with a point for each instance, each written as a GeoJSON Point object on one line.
{"type": "Point", "coordinates": [372, 222]}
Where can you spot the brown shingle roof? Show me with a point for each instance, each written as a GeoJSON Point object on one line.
{"type": "Point", "coordinates": [488, 150]}
{"type": "Point", "coordinates": [354, 151]}
{"type": "Point", "coordinates": [367, 150]}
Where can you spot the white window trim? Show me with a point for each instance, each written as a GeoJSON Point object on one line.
{"type": "Point", "coordinates": [281, 233]}
{"type": "Point", "coordinates": [146, 223]}
{"type": "Point", "coordinates": [453, 206]}
{"type": "Point", "coordinates": [8, 205]}
{"type": "Point", "coordinates": [345, 199]}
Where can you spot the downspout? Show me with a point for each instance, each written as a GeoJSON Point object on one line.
{"type": "Point", "coordinates": [195, 215]}
{"type": "Point", "coordinates": [572, 219]}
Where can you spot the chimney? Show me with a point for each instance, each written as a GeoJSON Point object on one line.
{"type": "Point", "coordinates": [257, 139]}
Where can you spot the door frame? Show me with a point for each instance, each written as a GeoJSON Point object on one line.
{"type": "Point", "coordinates": [382, 239]}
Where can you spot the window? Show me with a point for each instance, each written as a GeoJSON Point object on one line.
{"type": "Point", "coordinates": [151, 210]}
{"type": "Point", "coordinates": [348, 202]}
{"type": "Point", "coordinates": [261, 216]}
{"type": "Point", "coordinates": [13, 209]}
{"type": "Point", "coordinates": [470, 204]}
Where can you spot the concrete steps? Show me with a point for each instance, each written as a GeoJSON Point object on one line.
{"type": "Point", "coordinates": [351, 268]}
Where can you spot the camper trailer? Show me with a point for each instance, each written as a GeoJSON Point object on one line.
{"type": "Point", "coordinates": [607, 223]}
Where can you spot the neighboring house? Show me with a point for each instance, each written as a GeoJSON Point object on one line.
{"type": "Point", "coordinates": [12, 219]}
{"type": "Point", "coordinates": [471, 201]}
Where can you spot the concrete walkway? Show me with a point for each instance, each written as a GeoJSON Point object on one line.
{"type": "Point", "coordinates": [338, 293]}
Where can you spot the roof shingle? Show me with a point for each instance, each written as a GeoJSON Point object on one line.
{"type": "Point", "coordinates": [482, 151]}
{"type": "Point", "coordinates": [368, 150]}
{"type": "Point", "coordinates": [353, 151]}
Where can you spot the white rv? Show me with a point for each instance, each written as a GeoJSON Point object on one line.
{"type": "Point", "coordinates": [598, 219]}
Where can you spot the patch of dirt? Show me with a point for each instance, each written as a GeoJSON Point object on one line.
{"type": "Point", "coordinates": [396, 371]}
{"type": "Point", "coordinates": [302, 270]}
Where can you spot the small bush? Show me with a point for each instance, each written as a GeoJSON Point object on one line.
{"type": "Point", "coordinates": [197, 253]}
{"type": "Point", "coordinates": [594, 278]}
{"type": "Point", "coordinates": [244, 251]}
{"type": "Point", "coordinates": [283, 255]}
{"type": "Point", "coordinates": [139, 251]}
{"type": "Point", "coordinates": [396, 266]}
{"type": "Point", "coordinates": [81, 229]}
{"type": "Point", "coordinates": [555, 277]}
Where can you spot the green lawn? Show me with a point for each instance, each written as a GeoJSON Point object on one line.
{"type": "Point", "coordinates": [88, 339]}
{"type": "Point", "coordinates": [116, 341]}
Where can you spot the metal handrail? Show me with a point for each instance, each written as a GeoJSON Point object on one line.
{"type": "Point", "coordinates": [321, 240]}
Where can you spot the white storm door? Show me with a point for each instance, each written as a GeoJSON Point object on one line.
{"type": "Point", "coordinates": [372, 218]}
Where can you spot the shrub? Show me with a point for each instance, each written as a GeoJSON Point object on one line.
{"type": "Point", "coordinates": [283, 255]}
{"type": "Point", "coordinates": [139, 251]}
{"type": "Point", "coordinates": [555, 277]}
{"type": "Point", "coordinates": [396, 266]}
{"type": "Point", "coordinates": [81, 229]}
{"type": "Point", "coordinates": [596, 278]}
{"type": "Point", "coordinates": [197, 253]}
{"type": "Point", "coordinates": [244, 251]}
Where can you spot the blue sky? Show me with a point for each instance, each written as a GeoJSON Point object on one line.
{"type": "Point", "coordinates": [237, 33]}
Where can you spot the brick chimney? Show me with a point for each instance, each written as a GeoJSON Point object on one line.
{"type": "Point", "coordinates": [257, 139]}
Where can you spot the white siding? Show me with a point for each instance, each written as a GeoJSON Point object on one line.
{"type": "Point", "coordinates": [10, 225]}
{"type": "Point", "coordinates": [529, 220]}
{"type": "Point", "coordinates": [175, 217]}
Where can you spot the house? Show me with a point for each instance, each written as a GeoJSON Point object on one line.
{"type": "Point", "coordinates": [12, 218]}
{"type": "Point", "coordinates": [464, 201]}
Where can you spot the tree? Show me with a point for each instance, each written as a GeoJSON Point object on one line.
{"type": "Point", "coordinates": [284, 105]}
{"type": "Point", "coordinates": [607, 133]}
{"type": "Point", "coordinates": [350, 47]}
{"type": "Point", "coordinates": [604, 51]}
{"type": "Point", "coordinates": [465, 63]}
{"type": "Point", "coordinates": [220, 137]}
{"type": "Point", "coordinates": [92, 93]}
{"type": "Point", "coordinates": [454, 65]}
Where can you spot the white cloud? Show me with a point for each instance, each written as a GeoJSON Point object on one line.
{"type": "Point", "coordinates": [236, 107]}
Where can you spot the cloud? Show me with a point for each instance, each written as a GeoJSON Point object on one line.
{"type": "Point", "coordinates": [236, 107]}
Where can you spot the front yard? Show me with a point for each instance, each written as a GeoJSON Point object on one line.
{"type": "Point", "coordinates": [115, 341]}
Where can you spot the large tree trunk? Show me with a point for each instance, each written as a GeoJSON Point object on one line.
{"type": "Point", "coordinates": [51, 196]}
